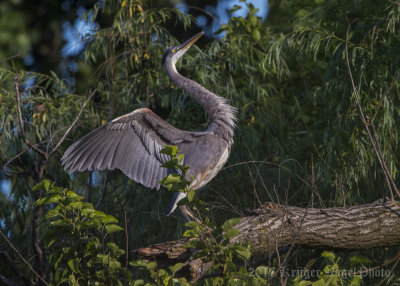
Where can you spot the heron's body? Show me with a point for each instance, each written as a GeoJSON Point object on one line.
{"type": "Point", "coordinates": [132, 142]}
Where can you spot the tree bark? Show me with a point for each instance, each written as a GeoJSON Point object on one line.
{"type": "Point", "coordinates": [274, 226]}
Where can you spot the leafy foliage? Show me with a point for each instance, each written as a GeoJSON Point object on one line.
{"type": "Point", "coordinates": [212, 244]}
{"type": "Point", "coordinates": [175, 182]}
{"type": "Point", "coordinates": [332, 274]}
{"type": "Point", "coordinates": [76, 237]}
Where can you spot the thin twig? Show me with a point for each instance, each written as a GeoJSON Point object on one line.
{"type": "Point", "coordinates": [205, 12]}
{"type": "Point", "coordinates": [388, 177]}
{"type": "Point", "coordinates": [73, 124]}
{"type": "Point", "coordinates": [12, 264]}
{"type": "Point", "coordinates": [4, 167]}
{"type": "Point", "coordinates": [10, 58]}
{"type": "Point", "coordinates": [261, 179]}
{"type": "Point", "coordinates": [4, 280]}
{"type": "Point", "coordinates": [21, 122]}
{"type": "Point", "coordinates": [377, 267]}
{"type": "Point", "coordinates": [23, 259]}
{"type": "Point", "coordinates": [392, 269]}
{"type": "Point", "coordinates": [393, 2]}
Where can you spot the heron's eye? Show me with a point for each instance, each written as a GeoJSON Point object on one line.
{"type": "Point", "coordinates": [173, 51]}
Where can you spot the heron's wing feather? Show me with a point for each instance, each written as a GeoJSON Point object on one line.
{"type": "Point", "coordinates": [131, 143]}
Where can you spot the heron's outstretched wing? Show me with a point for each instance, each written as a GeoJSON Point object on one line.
{"type": "Point", "coordinates": [131, 143]}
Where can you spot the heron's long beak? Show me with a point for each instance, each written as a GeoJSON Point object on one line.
{"type": "Point", "coordinates": [186, 45]}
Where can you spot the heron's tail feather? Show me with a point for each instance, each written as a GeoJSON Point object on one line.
{"type": "Point", "coordinates": [174, 202]}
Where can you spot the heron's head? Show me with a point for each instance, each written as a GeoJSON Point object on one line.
{"type": "Point", "coordinates": [173, 54]}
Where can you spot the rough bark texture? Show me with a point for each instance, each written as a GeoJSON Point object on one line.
{"type": "Point", "coordinates": [358, 227]}
{"type": "Point", "coordinates": [274, 226]}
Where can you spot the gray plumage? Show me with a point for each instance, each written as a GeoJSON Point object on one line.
{"type": "Point", "coordinates": [132, 142]}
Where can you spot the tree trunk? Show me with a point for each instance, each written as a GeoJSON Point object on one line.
{"type": "Point", "coordinates": [274, 226]}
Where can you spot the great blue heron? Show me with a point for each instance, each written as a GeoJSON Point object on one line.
{"type": "Point", "coordinates": [132, 142]}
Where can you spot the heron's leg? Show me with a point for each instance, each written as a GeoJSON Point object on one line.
{"type": "Point", "coordinates": [187, 214]}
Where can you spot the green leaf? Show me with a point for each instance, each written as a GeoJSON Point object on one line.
{"type": "Point", "coordinates": [72, 280]}
{"type": "Point", "coordinates": [138, 263]}
{"type": "Point", "coordinates": [321, 283]}
{"type": "Point", "coordinates": [191, 194]}
{"type": "Point", "coordinates": [244, 254]}
{"type": "Point", "coordinates": [77, 205]}
{"type": "Point", "coordinates": [359, 260]}
{"type": "Point", "coordinates": [109, 219]}
{"type": "Point", "coordinates": [72, 195]}
{"type": "Point", "coordinates": [356, 280]}
{"type": "Point", "coordinates": [169, 150]}
{"type": "Point", "coordinates": [231, 233]}
{"type": "Point", "coordinates": [176, 267]}
{"type": "Point", "coordinates": [201, 254]}
{"type": "Point", "coordinates": [256, 35]}
{"type": "Point", "coordinates": [162, 273]}
{"type": "Point", "coordinates": [113, 228]}
{"type": "Point", "coordinates": [180, 158]}
{"type": "Point", "coordinates": [191, 224]}
{"type": "Point", "coordinates": [170, 164]}
{"type": "Point", "coordinates": [328, 254]}
{"type": "Point", "coordinates": [95, 224]}
{"type": "Point", "coordinates": [189, 233]}
{"type": "Point", "coordinates": [190, 244]}
{"type": "Point", "coordinates": [54, 199]}
{"type": "Point", "coordinates": [47, 184]}
{"type": "Point", "coordinates": [74, 264]}
{"type": "Point", "coordinates": [50, 242]}
{"type": "Point", "coordinates": [112, 247]}
{"type": "Point", "coordinates": [307, 283]}
{"type": "Point", "coordinates": [151, 266]}
{"type": "Point", "coordinates": [230, 223]}
{"type": "Point", "coordinates": [235, 8]}
{"type": "Point", "coordinates": [60, 222]}
{"type": "Point", "coordinates": [100, 274]}
{"type": "Point", "coordinates": [92, 247]}
{"type": "Point", "coordinates": [38, 187]}
{"type": "Point", "coordinates": [41, 201]}
{"type": "Point", "coordinates": [138, 282]}
{"type": "Point", "coordinates": [241, 251]}
{"type": "Point", "coordinates": [114, 265]}
{"type": "Point", "coordinates": [97, 214]}
{"type": "Point", "coordinates": [87, 205]}
{"type": "Point", "coordinates": [87, 212]}
{"type": "Point", "coordinates": [172, 178]}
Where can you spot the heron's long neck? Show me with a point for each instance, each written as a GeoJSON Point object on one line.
{"type": "Point", "coordinates": [223, 116]}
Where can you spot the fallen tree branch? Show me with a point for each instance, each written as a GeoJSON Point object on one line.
{"type": "Point", "coordinates": [274, 226]}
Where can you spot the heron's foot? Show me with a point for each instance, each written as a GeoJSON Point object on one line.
{"type": "Point", "coordinates": [187, 214]}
